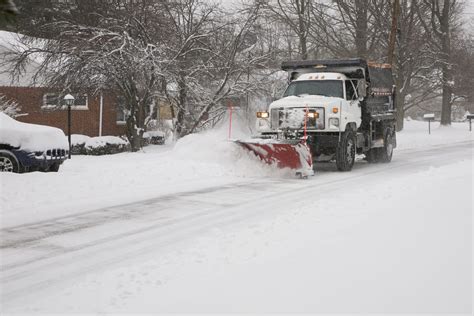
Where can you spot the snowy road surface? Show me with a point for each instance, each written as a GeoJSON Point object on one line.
{"type": "Point", "coordinates": [383, 238]}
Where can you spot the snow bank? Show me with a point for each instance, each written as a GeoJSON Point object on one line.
{"type": "Point", "coordinates": [30, 137]}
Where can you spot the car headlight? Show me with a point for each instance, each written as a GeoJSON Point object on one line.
{"type": "Point", "coordinates": [333, 122]}
{"type": "Point", "coordinates": [262, 114]}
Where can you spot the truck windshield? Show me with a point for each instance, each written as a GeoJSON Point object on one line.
{"type": "Point", "coordinates": [328, 88]}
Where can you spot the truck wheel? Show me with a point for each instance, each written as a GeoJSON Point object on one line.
{"type": "Point", "coordinates": [345, 153]}
{"type": "Point", "coordinates": [386, 152]}
{"type": "Point", "coordinates": [8, 163]}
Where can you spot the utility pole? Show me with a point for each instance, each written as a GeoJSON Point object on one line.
{"type": "Point", "coordinates": [393, 31]}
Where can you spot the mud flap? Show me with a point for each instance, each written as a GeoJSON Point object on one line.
{"type": "Point", "coordinates": [293, 154]}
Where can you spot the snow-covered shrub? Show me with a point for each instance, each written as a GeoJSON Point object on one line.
{"type": "Point", "coordinates": [9, 107]}
{"type": "Point", "coordinates": [78, 143]}
{"type": "Point", "coordinates": [106, 145]}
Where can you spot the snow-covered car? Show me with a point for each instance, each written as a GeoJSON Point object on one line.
{"type": "Point", "coordinates": [30, 147]}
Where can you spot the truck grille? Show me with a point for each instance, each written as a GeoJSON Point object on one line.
{"type": "Point", "coordinates": [293, 118]}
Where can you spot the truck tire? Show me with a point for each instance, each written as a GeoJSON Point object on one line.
{"type": "Point", "coordinates": [345, 152]}
{"type": "Point", "coordinates": [386, 153]}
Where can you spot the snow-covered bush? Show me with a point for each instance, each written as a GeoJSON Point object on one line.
{"type": "Point", "coordinates": [78, 143]}
{"type": "Point", "coordinates": [105, 145]}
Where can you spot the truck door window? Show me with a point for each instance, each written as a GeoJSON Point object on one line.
{"type": "Point", "coordinates": [351, 90]}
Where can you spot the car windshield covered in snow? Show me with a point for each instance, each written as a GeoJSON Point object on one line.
{"type": "Point", "coordinates": [328, 88]}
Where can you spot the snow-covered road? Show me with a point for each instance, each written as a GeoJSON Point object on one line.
{"type": "Point", "coordinates": [383, 238]}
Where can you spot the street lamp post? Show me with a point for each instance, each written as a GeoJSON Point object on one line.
{"type": "Point", "coordinates": [69, 99]}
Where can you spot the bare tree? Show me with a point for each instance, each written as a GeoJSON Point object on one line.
{"type": "Point", "coordinates": [210, 61]}
{"type": "Point", "coordinates": [463, 72]}
{"type": "Point", "coordinates": [350, 28]}
{"type": "Point", "coordinates": [414, 62]}
{"type": "Point", "coordinates": [296, 14]}
{"type": "Point", "coordinates": [439, 24]}
{"type": "Point", "coordinates": [119, 51]}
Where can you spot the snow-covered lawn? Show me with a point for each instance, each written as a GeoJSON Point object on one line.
{"type": "Point", "coordinates": [393, 238]}
{"type": "Point", "coordinates": [415, 134]}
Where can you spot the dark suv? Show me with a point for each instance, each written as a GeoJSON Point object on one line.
{"type": "Point", "coordinates": [29, 147]}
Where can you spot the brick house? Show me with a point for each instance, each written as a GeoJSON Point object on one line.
{"type": "Point", "coordinates": [92, 115]}
{"type": "Point", "coordinates": [41, 105]}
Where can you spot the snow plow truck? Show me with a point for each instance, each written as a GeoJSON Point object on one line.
{"type": "Point", "coordinates": [333, 109]}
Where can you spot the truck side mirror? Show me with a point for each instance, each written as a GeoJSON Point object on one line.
{"type": "Point", "coordinates": [362, 88]}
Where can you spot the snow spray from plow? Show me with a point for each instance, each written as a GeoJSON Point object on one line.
{"type": "Point", "coordinates": [293, 154]}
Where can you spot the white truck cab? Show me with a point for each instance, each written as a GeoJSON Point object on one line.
{"type": "Point", "coordinates": [331, 100]}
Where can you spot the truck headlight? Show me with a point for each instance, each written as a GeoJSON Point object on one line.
{"type": "Point", "coordinates": [333, 122]}
{"type": "Point", "coordinates": [262, 114]}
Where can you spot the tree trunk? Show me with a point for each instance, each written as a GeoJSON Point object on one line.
{"type": "Point", "coordinates": [180, 129]}
{"type": "Point", "coordinates": [393, 31]}
{"type": "Point", "coordinates": [446, 67]}
{"type": "Point", "coordinates": [135, 125]}
{"type": "Point", "coordinates": [304, 49]}
{"type": "Point", "coordinates": [302, 28]}
{"type": "Point", "coordinates": [399, 105]}
{"type": "Point", "coordinates": [447, 82]}
{"type": "Point", "coordinates": [361, 28]}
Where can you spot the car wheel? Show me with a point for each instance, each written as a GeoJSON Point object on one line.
{"type": "Point", "coordinates": [8, 163]}
{"type": "Point", "coordinates": [346, 150]}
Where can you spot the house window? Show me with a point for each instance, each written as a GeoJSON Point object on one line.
{"type": "Point", "coordinates": [50, 101]}
{"type": "Point", "coordinates": [122, 112]}
{"type": "Point", "coordinates": [53, 101]}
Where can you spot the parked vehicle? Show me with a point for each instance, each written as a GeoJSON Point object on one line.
{"type": "Point", "coordinates": [339, 107]}
{"type": "Point", "coordinates": [30, 147]}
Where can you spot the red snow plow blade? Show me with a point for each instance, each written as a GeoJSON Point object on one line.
{"type": "Point", "coordinates": [293, 154]}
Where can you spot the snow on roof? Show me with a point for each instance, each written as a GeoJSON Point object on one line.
{"type": "Point", "coordinates": [30, 137]}
{"type": "Point", "coordinates": [14, 43]}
